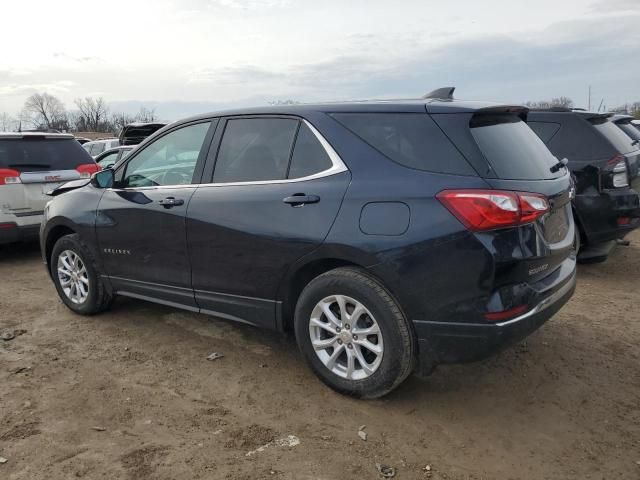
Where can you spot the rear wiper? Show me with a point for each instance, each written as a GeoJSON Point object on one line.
{"type": "Point", "coordinates": [635, 142]}
{"type": "Point", "coordinates": [561, 164]}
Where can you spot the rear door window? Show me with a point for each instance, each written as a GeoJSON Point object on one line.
{"type": "Point", "coordinates": [611, 132]}
{"type": "Point", "coordinates": [309, 156]}
{"type": "Point", "coordinates": [514, 151]}
{"type": "Point", "coordinates": [410, 139]}
{"type": "Point", "coordinates": [42, 154]}
{"type": "Point", "coordinates": [255, 149]}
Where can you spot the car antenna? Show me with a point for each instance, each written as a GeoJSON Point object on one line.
{"type": "Point", "coordinates": [444, 93]}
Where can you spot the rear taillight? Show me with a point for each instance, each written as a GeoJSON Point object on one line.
{"type": "Point", "coordinates": [8, 176]}
{"type": "Point", "coordinates": [617, 175]}
{"type": "Point", "coordinates": [490, 209]}
{"type": "Point", "coordinates": [88, 169]}
{"type": "Point", "coordinates": [505, 314]}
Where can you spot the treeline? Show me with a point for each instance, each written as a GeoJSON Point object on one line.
{"type": "Point", "coordinates": [43, 111]}
{"type": "Point", "coordinates": [632, 109]}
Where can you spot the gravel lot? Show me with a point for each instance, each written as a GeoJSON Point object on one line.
{"type": "Point", "coordinates": [130, 394]}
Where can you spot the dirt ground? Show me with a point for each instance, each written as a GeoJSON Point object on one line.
{"type": "Point", "coordinates": [130, 394]}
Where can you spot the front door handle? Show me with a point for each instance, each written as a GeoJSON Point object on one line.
{"type": "Point", "coordinates": [300, 199]}
{"type": "Point", "coordinates": [171, 202]}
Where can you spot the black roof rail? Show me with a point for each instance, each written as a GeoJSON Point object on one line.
{"type": "Point", "coordinates": [444, 93]}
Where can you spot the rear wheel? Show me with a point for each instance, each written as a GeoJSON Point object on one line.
{"type": "Point", "coordinates": [353, 333]}
{"type": "Point", "coordinates": [76, 278]}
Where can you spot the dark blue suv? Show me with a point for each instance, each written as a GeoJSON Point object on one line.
{"type": "Point", "coordinates": [390, 236]}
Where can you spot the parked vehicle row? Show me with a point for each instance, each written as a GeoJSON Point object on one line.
{"type": "Point", "coordinates": [604, 155]}
{"type": "Point", "coordinates": [132, 134]}
{"type": "Point", "coordinates": [389, 236]}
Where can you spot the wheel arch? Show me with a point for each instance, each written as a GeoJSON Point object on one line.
{"type": "Point", "coordinates": [300, 278]}
{"type": "Point", "coordinates": [53, 235]}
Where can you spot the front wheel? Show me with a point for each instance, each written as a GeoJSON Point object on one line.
{"type": "Point", "coordinates": [353, 333]}
{"type": "Point", "coordinates": [75, 275]}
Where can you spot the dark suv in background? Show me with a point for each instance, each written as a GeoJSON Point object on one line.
{"type": "Point", "coordinates": [387, 235]}
{"type": "Point", "coordinates": [605, 162]}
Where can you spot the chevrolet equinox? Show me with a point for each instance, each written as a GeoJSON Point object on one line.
{"type": "Point", "coordinates": [389, 236]}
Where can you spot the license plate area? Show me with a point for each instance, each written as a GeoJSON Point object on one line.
{"type": "Point", "coordinates": [555, 225]}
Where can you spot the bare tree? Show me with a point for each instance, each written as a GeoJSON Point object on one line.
{"type": "Point", "coordinates": [563, 102]}
{"type": "Point", "coordinates": [92, 115]}
{"type": "Point", "coordinates": [7, 123]}
{"type": "Point", "coordinates": [45, 111]}
{"type": "Point", "coordinates": [146, 115]}
{"type": "Point", "coordinates": [120, 119]}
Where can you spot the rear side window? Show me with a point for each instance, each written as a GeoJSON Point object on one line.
{"type": "Point", "coordinates": [255, 149]}
{"type": "Point", "coordinates": [309, 156]}
{"type": "Point", "coordinates": [410, 139]}
{"type": "Point", "coordinates": [611, 132]}
{"type": "Point", "coordinates": [42, 154]}
{"type": "Point", "coordinates": [514, 151]}
{"type": "Point", "coordinates": [544, 130]}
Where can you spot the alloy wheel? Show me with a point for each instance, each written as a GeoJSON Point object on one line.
{"type": "Point", "coordinates": [346, 337]}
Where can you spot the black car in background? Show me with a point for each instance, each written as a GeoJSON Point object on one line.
{"type": "Point", "coordinates": [388, 235]}
{"type": "Point", "coordinates": [134, 133]}
{"type": "Point", "coordinates": [605, 162]}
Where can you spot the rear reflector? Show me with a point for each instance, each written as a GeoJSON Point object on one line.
{"type": "Point", "coordinates": [622, 221]}
{"type": "Point", "coordinates": [8, 225]}
{"type": "Point", "coordinates": [480, 210]}
{"type": "Point", "coordinates": [505, 314]}
{"type": "Point", "coordinates": [88, 169]}
{"type": "Point", "coordinates": [8, 176]}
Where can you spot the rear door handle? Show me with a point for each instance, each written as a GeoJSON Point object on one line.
{"type": "Point", "coordinates": [300, 199]}
{"type": "Point", "coordinates": [171, 202]}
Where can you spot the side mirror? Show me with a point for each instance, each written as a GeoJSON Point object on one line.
{"type": "Point", "coordinates": [103, 179]}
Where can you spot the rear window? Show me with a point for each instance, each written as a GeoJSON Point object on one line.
{"type": "Point", "coordinates": [611, 132]}
{"type": "Point", "coordinates": [629, 130]}
{"type": "Point", "coordinates": [41, 154]}
{"type": "Point", "coordinates": [544, 130]}
{"type": "Point", "coordinates": [410, 139]}
{"type": "Point", "coordinates": [514, 151]}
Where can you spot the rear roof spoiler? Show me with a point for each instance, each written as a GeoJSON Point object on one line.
{"type": "Point", "coordinates": [444, 93]}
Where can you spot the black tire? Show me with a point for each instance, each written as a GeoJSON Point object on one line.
{"type": "Point", "coordinates": [399, 355]}
{"type": "Point", "coordinates": [98, 298]}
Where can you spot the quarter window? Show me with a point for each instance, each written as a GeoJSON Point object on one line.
{"type": "Point", "coordinates": [255, 149]}
{"type": "Point", "coordinates": [410, 139]}
{"type": "Point", "coordinates": [309, 156]}
{"type": "Point", "coordinates": [170, 160]}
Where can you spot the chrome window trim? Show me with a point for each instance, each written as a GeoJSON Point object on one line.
{"type": "Point", "coordinates": [337, 166]}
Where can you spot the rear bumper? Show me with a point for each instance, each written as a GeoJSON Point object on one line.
{"type": "Point", "coordinates": [447, 342]}
{"type": "Point", "coordinates": [13, 233]}
{"type": "Point", "coordinates": [599, 214]}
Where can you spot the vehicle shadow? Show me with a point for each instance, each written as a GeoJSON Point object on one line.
{"type": "Point", "coordinates": [19, 251]}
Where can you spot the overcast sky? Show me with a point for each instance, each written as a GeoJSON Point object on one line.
{"type": "Point", "coordinates": [193, 55]}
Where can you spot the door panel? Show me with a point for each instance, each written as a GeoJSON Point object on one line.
{"type": "Point", "coordinates": [243, 238]}
{"type": "Point", "coordinates": [142, 242]}
{"type": "Point", "coordinates": [141, 221]}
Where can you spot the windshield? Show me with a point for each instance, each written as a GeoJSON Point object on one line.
{"type": "Point", "coordinates": [514, 151]}
{"type": "Point", "coordinates": [615, 135]}
{"type": "Point", "coordinates": [39, 153]}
